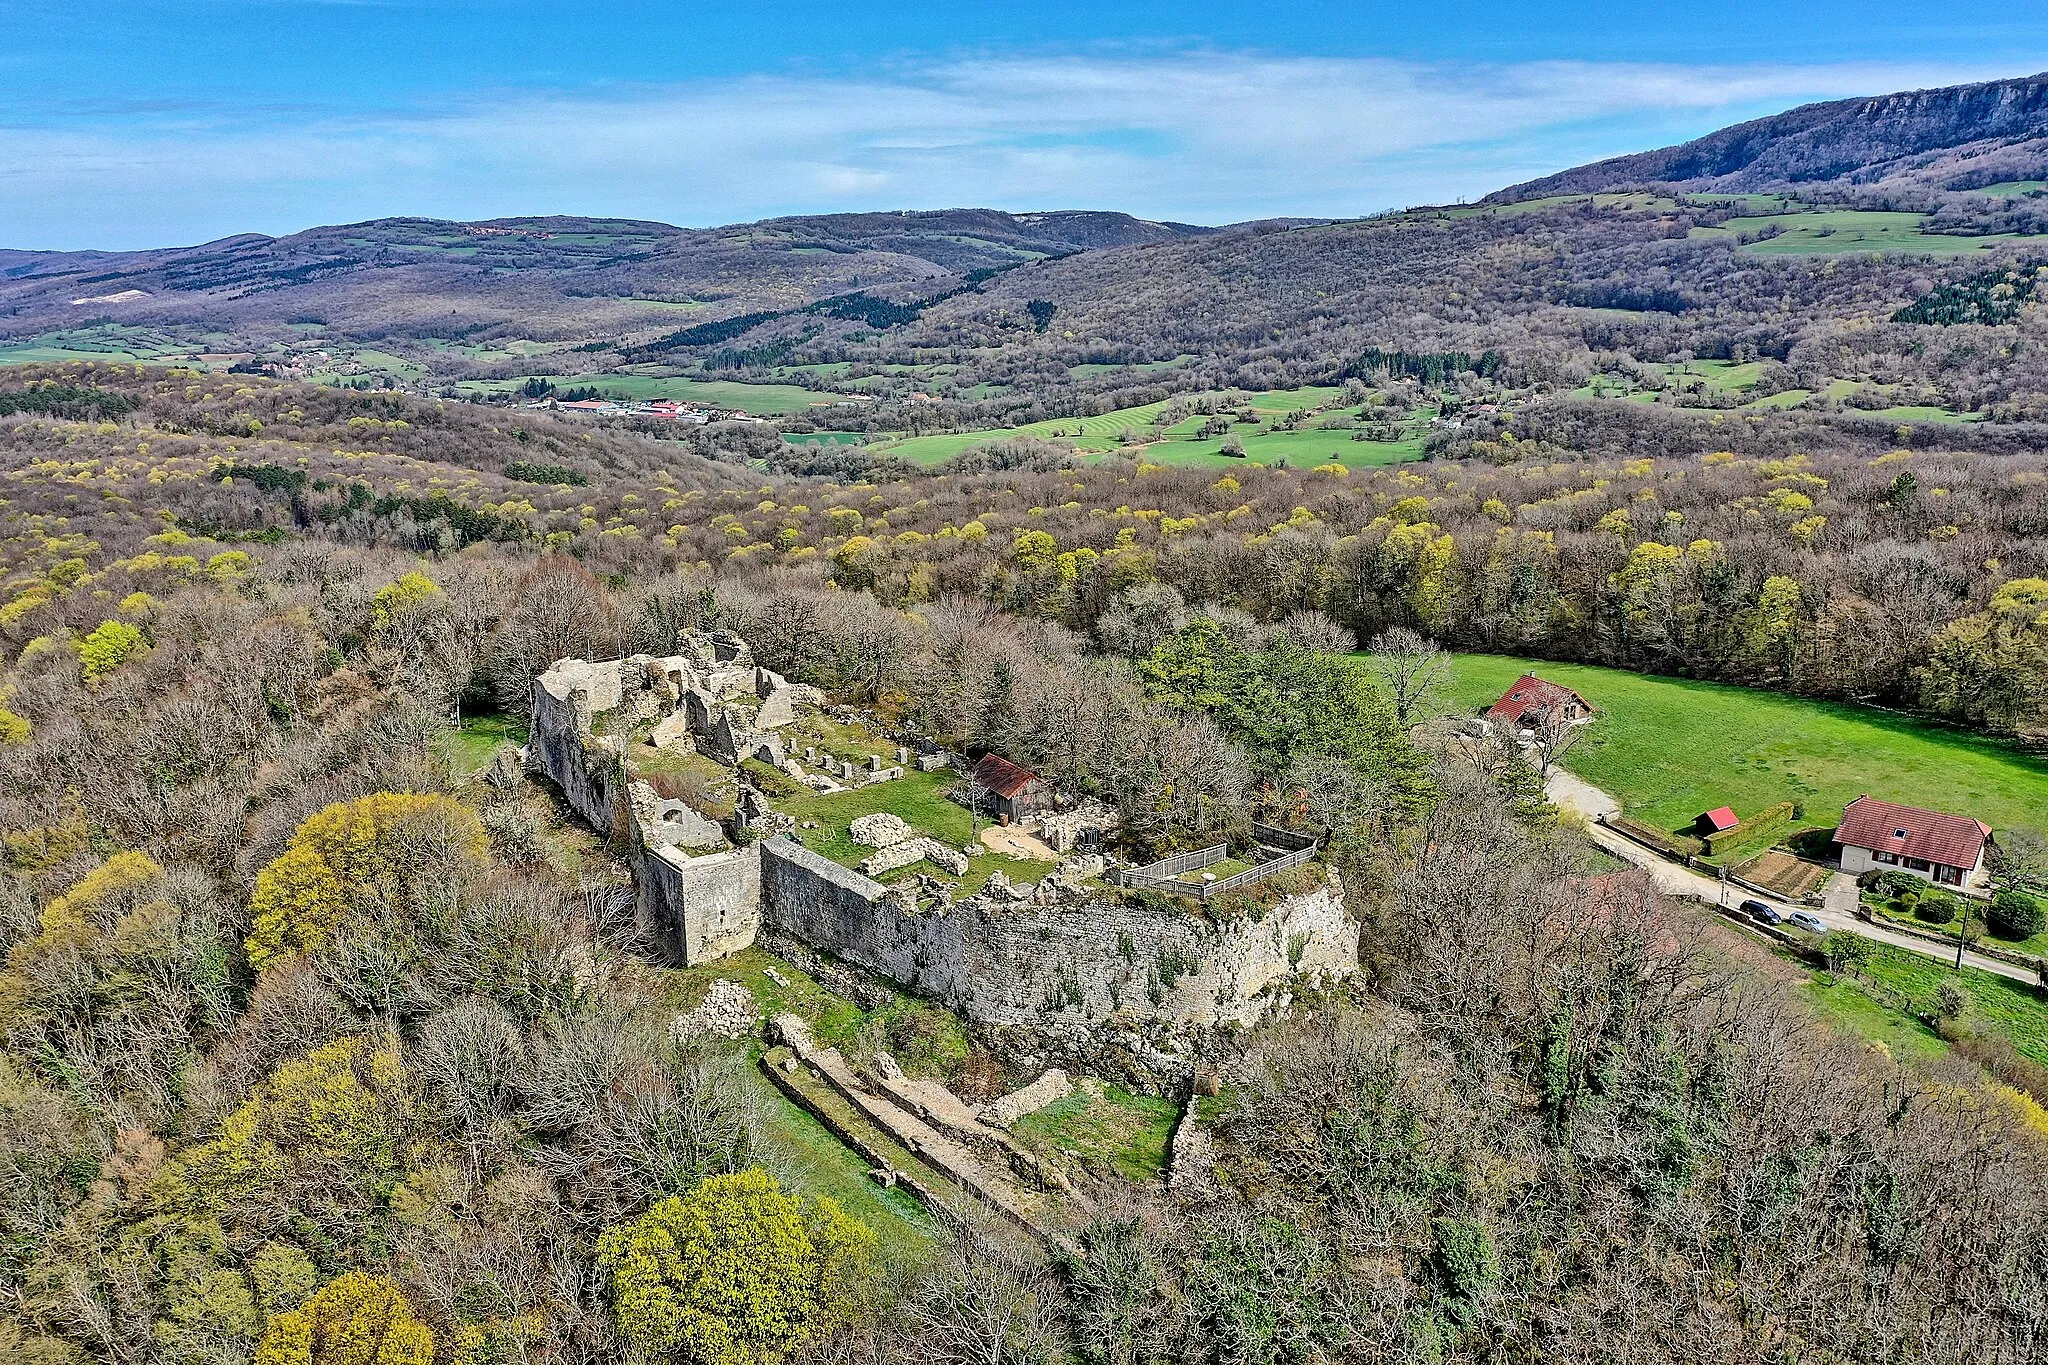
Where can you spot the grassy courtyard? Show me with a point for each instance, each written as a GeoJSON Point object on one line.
{"type": "Point", "coordinates": [918, 799]}
{"type": "Point", "coordinates": [1117, 1129]}
{"type": "Point", "coordinates": [1668, 749]}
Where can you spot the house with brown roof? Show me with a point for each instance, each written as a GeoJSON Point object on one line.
{"type": "Point", "coordinates": [1012, 792]}
{"type": "Point", "coordinates": [1532, 700]}
{"type": "Point", "coordinates": [1945, 849]}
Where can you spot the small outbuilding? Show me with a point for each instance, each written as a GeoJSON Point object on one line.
{"type": "Point", "coordinates": [1012, 792]}
{"type": "Point", "coordinates": [1533, 701]}
{"type": "Point", "coordinates": [1945, 849]}
{"type": "Point", "coordinates": [1719, 820]}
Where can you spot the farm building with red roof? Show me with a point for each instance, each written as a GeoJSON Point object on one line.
{"type": "Point", "coordinates": [1943, 848]}
{"type": "Point", "coordinates": [1531, 699]}
{"type": "Point", "coordinates": [1719, 820]}
{"type": "Point", "coordinates": [1012, 792]}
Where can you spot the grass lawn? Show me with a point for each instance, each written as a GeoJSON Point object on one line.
{"type": "Point", "coordinates": [1103, 433]}
{"type": "Point", "coordinates": [472, 744]}
{"type": "Point", "coordinates": [762, 400]}
{"type": "Point", "coordinates": [817, 1163]}
{"type": "Point", "coordinates": [1300, 449]}
{"type": "Point", "coordinates": [1669, 749]}
{"type": "Point", "coordinates": [1846, 1006]}
{"type": "Point", "coordinates": [1996, 1004]}
{"type": "Point", "coordinates": [1923, 413]}
{"type": "Point", "coordinates": [919, 799]}
{"type": "Point", "coordinates": [1128, 1132]}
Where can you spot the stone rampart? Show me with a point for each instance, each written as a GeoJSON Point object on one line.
{"type": "Point", "coordinates": [1087, 974]}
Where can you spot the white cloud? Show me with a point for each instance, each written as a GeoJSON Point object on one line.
{"type": "Point", "coordinates": [1195, 134]}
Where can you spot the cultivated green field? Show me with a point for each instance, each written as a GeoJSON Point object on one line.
{"type": "Point", "coordinates": [108, 341]}
{"type": "Point", "coordinates": [1727, 378]}
{"type": "Point", "coordinates": [1301, 447]}
{"type": "Point", "coordinates": [763, 400]}
{"type": "Point", "coordinates": [1822, 232]}
{"type": "Point", "coordinates": [1668, 749]}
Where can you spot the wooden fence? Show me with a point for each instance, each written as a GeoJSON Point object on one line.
{"type": "Point", "coordinates": [1165, 875]}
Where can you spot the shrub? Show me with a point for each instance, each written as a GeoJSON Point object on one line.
{"type": "Point", "coordinates": [1933, 906]}
{"type": "Point", "coordinates": [394, 597]}
{"type": "Point", "coordinates": [2016, 915]}
{"type": "Point", "coordinates": [1951, 1001]}
{"type": "Point", "coordinates": [357, 1319]}
{"type": "Point", "coordinates": [1845, 950]}
{"type": "Point", "coordinates": [735, 1272]}
{"type": "Point", "coordinates": [14, 729]}
{"type": "Point", "coordinates": [111, 644]}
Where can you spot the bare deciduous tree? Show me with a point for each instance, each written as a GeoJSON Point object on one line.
{"type": "Point", "coordinates": [1411, 670]}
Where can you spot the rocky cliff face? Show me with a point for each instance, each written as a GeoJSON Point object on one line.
{"type": "Point", "coordinates": [1857, 141]}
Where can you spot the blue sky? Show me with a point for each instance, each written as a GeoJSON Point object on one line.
{"type": "Point", "coordinates": [141, 123]}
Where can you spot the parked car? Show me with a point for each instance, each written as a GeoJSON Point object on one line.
{"type": "Point", "coordinates": [1760, 912]}
{"type": "Point", "coordinates": [1807, 920]}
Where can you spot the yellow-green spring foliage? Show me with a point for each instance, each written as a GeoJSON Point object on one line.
{"type": "Point", "coordinates": [735, 1272]}
{"type": "Point", "coordinates": [14, 729]}
{"type": "Point", "coordinates": [357, 1319]}
{"type": "Point", "coordinates": [394, 597]}
{"type": "Point", "coordinates": [111, 644]}
{"type": "Point", "coordinates": [345, 850]}
{"type": "Point", "coordinates": [339, 1115]}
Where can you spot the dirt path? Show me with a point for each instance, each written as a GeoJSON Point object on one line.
{"type": "Point", "coordinates": [1012, 842]}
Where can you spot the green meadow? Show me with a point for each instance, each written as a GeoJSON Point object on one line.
{"type": "Point", "coordinates": [1669, 748]}
{"type": "Point", "coordinates": [1307, 445]}
{"type": "Point", "coordinates": [762, 400]}
{"type": "Point", "coordinates": [1822, 232]}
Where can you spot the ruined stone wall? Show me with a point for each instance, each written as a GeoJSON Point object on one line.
{"type": "Point", "coordinates": [1084, 976]}
{"type": "Point", "coordinates": [566, 700]}
{"type": "Point", "coordinates": [696, 909]}
{"type": "Point", "coordinates": [1047, 972]}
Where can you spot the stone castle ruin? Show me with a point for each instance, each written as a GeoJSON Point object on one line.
{"type": "Point", "coordinates": [1068, 967]}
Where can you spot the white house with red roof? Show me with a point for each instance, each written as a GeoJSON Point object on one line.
{"type": "Point", "coordinates": [1532, 699]}
{"type": "Point", "coordinates": [1945, 849]}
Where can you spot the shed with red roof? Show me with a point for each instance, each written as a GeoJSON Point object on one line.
{"type": "Point", "coordinates": [1719, 820]}
{"type": "Point", "coordinates": [1013, 792]}
{"type": "Point", "coordinates": [1943, 848]}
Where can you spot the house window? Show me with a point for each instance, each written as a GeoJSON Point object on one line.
{"type": "Point", "coordinates": [1898, 834]}
{"type": "Point", "coordinates": [1883, 857]}
{"type": "Point", "coordinates": [1953, 876]}
{"type": "Point", "coordinates": [1916, 864]}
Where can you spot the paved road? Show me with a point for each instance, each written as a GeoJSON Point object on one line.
{"type": "Point", "coordinates": [1839, 912]}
